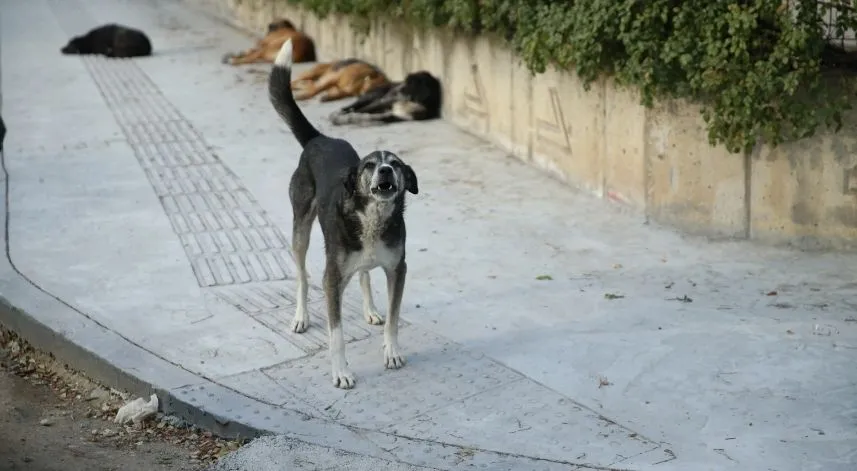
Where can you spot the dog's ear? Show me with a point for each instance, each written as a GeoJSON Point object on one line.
{"type": "Point", "coordinates": [280, 24]}
{"type": "Point", "coordinates": [349, 179]}
{"type": "Point", "coordinates": [410, 179]}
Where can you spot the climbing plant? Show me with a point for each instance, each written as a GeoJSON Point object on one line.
{"type": "Point", "coordinates": [760, 70]}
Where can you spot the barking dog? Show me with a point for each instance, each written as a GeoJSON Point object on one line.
{"type": "Point", "coordinates": [360, 204]}
{"type": "Point", "coordinates": [417, 98]}
{"type": "Point", "coordinates": [267, 48]}
{"type": "Point", "coordinates": [341, 79]}
{"type": "Point", "coordinates": [111, 40]}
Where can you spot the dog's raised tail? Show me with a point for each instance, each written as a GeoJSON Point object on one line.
{"type": "Point", "coordinates": [280, 94]}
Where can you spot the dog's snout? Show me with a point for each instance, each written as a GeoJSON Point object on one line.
{"type": "Point", "coordinates": [385, 170]}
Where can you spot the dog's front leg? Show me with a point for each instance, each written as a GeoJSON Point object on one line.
{"type": "Point", "coordinates": [370, 312]}
{"type": "Point", "coordinates": [395, 287]}
{"type": "Point", "coordinates": [384, 103]}
{"type": "Point", "coordinates": [334, 285]}
{"type": "Point", "coordinates": [366, 99]}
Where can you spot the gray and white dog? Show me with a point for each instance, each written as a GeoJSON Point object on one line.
{"type": "Point", "coordinates": [360, 204]}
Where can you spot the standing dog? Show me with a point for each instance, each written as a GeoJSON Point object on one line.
{"type": "Point", "coordinates": [416, 98]}
{"type": "Point", "coordinates": [266, 49]}
{"type": "Point", "coordinates": [341, 79]}
{"type": "Point", "coordinates": [111, 40]}
{"type": "Point", "coordinates": [360, 204]}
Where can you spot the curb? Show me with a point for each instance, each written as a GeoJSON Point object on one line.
{"type": "Point", "coordinates": [51, 325]}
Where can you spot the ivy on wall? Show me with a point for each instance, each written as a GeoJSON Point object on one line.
{"type": "Point", "coordinates": [760, 70]}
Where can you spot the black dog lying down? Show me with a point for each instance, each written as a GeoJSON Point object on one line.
{"type": "Point", "coordinates": [111, 40]}
{"type": "Point", "coordinates": [418, 97]}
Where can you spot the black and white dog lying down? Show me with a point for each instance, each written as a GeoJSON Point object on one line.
{"type": "Point", "coordinates": [418, 97]}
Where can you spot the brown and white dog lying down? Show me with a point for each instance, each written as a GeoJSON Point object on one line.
{"type": "Point", "coordinates": [266, 49]}
{"type": "Point", "coordinates": [418, 97]}
{"type": "Point", "coordinates": [339, 79]}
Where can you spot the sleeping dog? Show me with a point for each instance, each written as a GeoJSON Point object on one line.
{"type": "Point", "coordinates": [417, 98]}
{"type": "Point", "coordinates": [338, 79]}
{"type": "Point", "coordinates": [266, 49]}
{"type": "Point", "coordinates": [111, 40]}
{"type": "Point", "coordinates": [360, 204]}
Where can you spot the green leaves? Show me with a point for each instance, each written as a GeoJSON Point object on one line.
{"type": "Point", "coordinates": [755, 66]}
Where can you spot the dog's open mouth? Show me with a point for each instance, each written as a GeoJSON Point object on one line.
{"type": "Point", "coordinates": [384, 188]}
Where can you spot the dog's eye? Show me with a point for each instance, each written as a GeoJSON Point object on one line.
{"type": "Point", "coordinates": [395, 164]}
{"type": "Point", "coordinates": [369, 165]}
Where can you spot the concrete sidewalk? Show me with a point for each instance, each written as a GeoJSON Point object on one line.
{"type": "Point", "coordinates": [147, 216]}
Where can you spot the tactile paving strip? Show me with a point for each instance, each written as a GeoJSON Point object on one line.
{"type": "Point", "coordinates": [438, 373]}
{"type": "Point", "coordinates": [227, 236]}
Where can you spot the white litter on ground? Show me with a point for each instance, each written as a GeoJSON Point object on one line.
{"type": "Point", "coordinates": [137, 410]}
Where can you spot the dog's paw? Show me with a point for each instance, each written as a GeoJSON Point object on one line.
{"type": "Point", "coordinates": [337, 118]}
{"type": "Point", "coordinates": [227, 58]}
{"type": "Point", "coordinates": [372, 317]}
{"type": "Point", "coordinates": [393, 360]}
{"type": "Point", "coordinates": [300, 324]}
{"type": "Point", "coordinates": [343, 379]}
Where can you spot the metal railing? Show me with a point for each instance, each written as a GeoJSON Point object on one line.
{"type": "Point", "coordinates": [846, 39]}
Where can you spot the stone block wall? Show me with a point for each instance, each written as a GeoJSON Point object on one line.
{"type": "Point", "coordinates": [603, 141]}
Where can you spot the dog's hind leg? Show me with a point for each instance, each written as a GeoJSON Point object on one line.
{"type": "Point", "coordinates": [323, 84]}
{"type": "Point", "coordinates": [307, 78]}
{"type": "Point", "coordinates": [337, 93]}
{"type": "Point", "coordinates": [312, 74]}
{"type": "Point", "coordinates": [395, 287]}
{"type": "Point", "coordinates": [249, 57]}
{"type": "Point", "coordinates": [304, 212]}
{"type": "Point", "coordinates": [370, 312]}
{"type": "Point", "coordinates": [334, 285]}
{"type": "Point", "coordinates": [301, 232]}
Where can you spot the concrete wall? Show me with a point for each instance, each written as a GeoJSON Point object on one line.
{"type": "Point", "coordinates": [603, 141]}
